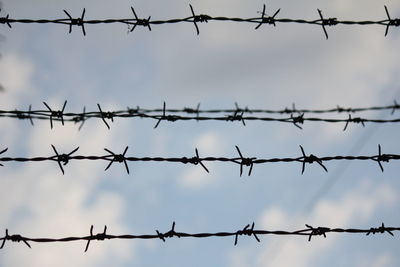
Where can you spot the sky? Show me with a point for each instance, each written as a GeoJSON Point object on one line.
{"type": "Point", "coordinates": [270, 68]}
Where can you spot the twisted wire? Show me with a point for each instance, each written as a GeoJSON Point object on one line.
{"type": "Point", "coordinates": [63, 159]}
{"type": "Point", "coordinates": [297, 116]}
{"type": "Point", "coordinates": [248, 230]}
{"type": "Point", "coordinates": [195, 19]}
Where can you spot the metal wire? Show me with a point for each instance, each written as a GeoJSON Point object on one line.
{"type": "Point", "coordinates": [63, 159]}
{"type": "Point", "coordinates": [201, 18]}
{"type": "Point", "coordinates": [248, 230]}
{"type": "Point", "coordinates": [237, 115]}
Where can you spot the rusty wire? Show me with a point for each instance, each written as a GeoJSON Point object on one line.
{"type": "Point", "coordinates": [63, 159]}
{"type": "Point", "coordinates": [195, 18]}
{"type": "Point", "coordinates": [248, 230]}
{"type": "Point", "coordinates": [297, 116]}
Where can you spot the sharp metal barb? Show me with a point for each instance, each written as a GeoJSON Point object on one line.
{"type": "Point", "coordinates": [267, 20]}
{"type": "Point", "coordinates": [29, 112]}
{"type": "Point", "coordinates": [78, 21]}
{"type": "Point", "coordinates": [102, 117]}
{"type": "Point", "coordinates": [118, 158]}
{"type": "Point", "coordinates": [3, 151]}
{"type": "Point", "coordinates": [322, 23]}
{"type": "Point", "coordinates": [310, 159]}
{"type": "Point", "coordinates": [197, 160]}
{"type": "Point", "coordinates": [395, 106]}
{"type": "Point", "coordinates": [391, 22]}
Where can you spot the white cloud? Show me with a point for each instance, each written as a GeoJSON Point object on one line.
{"type": "Point", "coordinates": [352, 209]}
{"type": "Point", "coordinates": [16, 77]}
{"type": "Point", "coordinates": [37, 200]}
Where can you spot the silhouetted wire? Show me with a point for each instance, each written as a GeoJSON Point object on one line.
{"type": "Point", "coordinates": [297, 116]}
{"type": "Point", "coordinates": [276, 247]}
{"type": "Point", "coordinates": [248, 230]}
{"type": "Point", "coordinates": [63, 159]}
{"type": "Point", "coordinates": [195, 18]}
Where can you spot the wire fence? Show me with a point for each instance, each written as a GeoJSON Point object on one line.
{"type": "Point", "coordinates": [63, 159]}
{"type": "Point", "coordinates": [297, 116]}
{"type": "Point", "coordinates": [248, 230]}
{"type": "Point", "coordinates": [195, 19]}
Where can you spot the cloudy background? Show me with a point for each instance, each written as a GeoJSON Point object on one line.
{"type": "Point", "coordinates": [272, 67]}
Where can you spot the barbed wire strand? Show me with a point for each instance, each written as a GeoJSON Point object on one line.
{"type": "Point", "coordinates": [297, 116]}
{"type": "Point", "coordinates": [80, 22]}
{"type": "Point", "coordinates": [189, 110]}
{"type": "Point", "coordinates": [63, 159]}
{"type": "Point", "coordinates": [248, 230]}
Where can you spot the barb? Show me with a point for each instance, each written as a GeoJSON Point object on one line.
{"type": "Point", "coordinates": [310, 159]}
{"type": "Point", "coordinates": [118, 158]}
{"type": "Point", "coordinates": [164, 117]}
{"type": "Point", "coordinates": [80, 118]}
{"type": "Point", "coordinates": [381, 229]}
{"type": "Point", "coordinates": [326, 22]}
{"type": "Point", "coordinates": [297, 120]}
{"type": "Point", "coordinates": [111, 157]}
{"type": "Point", "coordinates": [13, 238]}
{"type": "Point", "coordinates": [263, 19]}
{"type": "Point", "coordinates": [354, 120]}
{"type": "Point", "coordinates": [390, 22]}
{"type": "Point", "coordinates": [80, 22]}
{"type": "Point", "coordinates": [187, 114]}
{"type": "Point", "coordinates": [170, 234]}
{"type": "Point", "coordinates": [245, 162]}
{"type": "Point", "coordinates": [307, 232]}
{"type": "Point", "coordinates": [140, 22]}
{"type": "Point", "coordinates": [195, 160]}
{"type": "Point", "coordinates": [54, 114]}
{"type": "Point", "coordinates": [381, 157]}
{"type": "Point", "coordinates": [267, 20]}
{"type": "Point", "coordinates": [234, 117]}
{"type": "Point", "coordinates": [247, 231]}
{"type": "Point", "coordinates": [317, 231]}
{"type": "Point", "coordinates": [5, 150]}
{"type": "Point", "coordinates": [63, 158]}
{"type": "Point", "coordinates": [199, 18]}
{"type": "Point", "coordinates": [99, 236]}
{"type": "Point", "coordinates": [106, 115]}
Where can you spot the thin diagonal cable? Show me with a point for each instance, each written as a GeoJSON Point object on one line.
{"type": "Point", "coordinates": [248, 230]}
{"type": "Point", "coordinates": [194, 19]}
{"type": "Point", "coordinates": [63, 159]}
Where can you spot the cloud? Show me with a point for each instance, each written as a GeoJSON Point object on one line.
{"type": "Point", "coordinates": [354, 208]}
{"type": "Point", "coordinates": [37, 200]}
{"type": "Point", "coordinates": [16, 74]}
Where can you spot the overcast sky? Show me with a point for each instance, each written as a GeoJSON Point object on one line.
{"type": "Point", "coordinates": [271, 68]}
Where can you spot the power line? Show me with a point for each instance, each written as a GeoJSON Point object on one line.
{"type": "Point", "coordinates": [201, 18]}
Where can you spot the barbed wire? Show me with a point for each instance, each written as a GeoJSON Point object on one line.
{"type": "Point", "coordinates": [248, 230]}
{"type": "Point", "coordinates": [63, 159]}
{"type": "Point", "coordinates": [195, 18]}
{"type": "Point", "coordinates": [237, 115]}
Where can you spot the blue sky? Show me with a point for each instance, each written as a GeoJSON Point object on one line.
{"type": "Point", "coordinates": [272, 67]}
